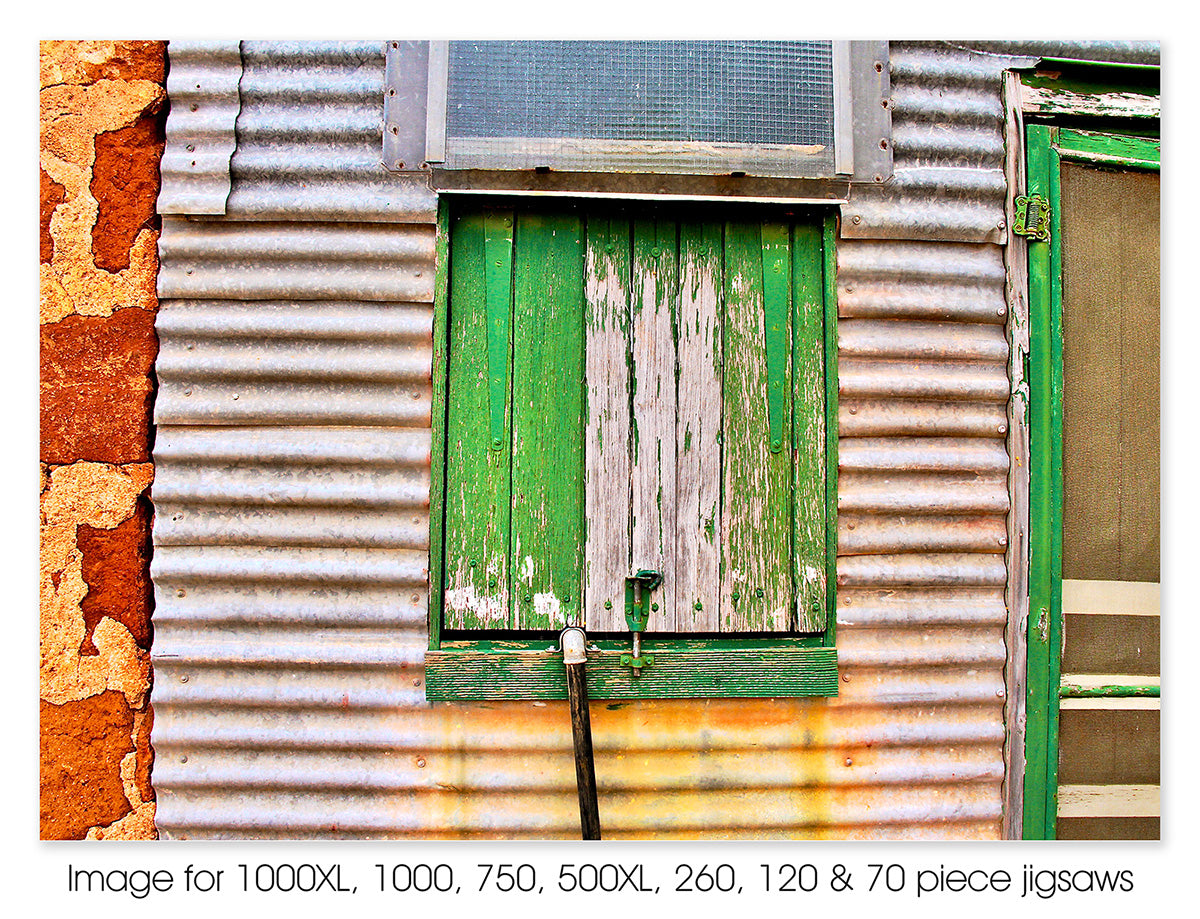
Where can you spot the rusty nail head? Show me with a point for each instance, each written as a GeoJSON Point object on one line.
{"type": "Point", "coordinates": [856, 219]}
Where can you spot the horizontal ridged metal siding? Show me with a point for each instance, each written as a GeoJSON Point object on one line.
{"type": "Point", "coordinates": [202, 83]}
{"type": "Point", "coordinates": [290, 569]}
{"type": "Point", "coordinates": [948, 137]}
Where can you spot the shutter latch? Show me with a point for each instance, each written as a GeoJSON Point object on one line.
{"type": "Point", "coordinates": [637, 614]}
{"type": "Point", "coordinates": [1031, 217]}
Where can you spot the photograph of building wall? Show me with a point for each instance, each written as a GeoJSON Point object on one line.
{"type": "Point", "coordinates": [817, 382]}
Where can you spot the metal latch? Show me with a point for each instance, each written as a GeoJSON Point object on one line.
{"type": "Point", "coordinates": [1032, 217]}
{"type": "Point", "coordinates": [637, 614]}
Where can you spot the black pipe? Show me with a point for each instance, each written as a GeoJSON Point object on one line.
{"type": "Point", "coordinates": [575, 658]}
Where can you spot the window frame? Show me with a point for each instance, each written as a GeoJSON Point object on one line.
{"type": "Point", "coordinates": [498, 666]}
{"type": "Point", "coordinates": [413, 139]}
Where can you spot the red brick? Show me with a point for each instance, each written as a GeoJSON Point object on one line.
{"type": "Point", "coordinates": [96, 388]}
{"type": "Point", "coordinates": [82, 745]}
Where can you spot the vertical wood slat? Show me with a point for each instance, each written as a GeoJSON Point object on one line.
{"type": "Point", "coordinates": [547, 469]}
{"type": "Point", "coordinates": [607, 437]}
{"type": "Point", "coordinates": [477, 494]}
{"type": "Point", "coordinates": [654, 293]}
{"type": "Point", "coordinates": [756, 592]}
{"type": "Point", "coordinates": [808, 427]}
{"type": "Point", "coordinates": [698, 429]}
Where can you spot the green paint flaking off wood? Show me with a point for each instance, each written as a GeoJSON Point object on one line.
{"type": "Point", "coordinates": [547, 466]}
{"type": "Point", "coordinates": [756, 591]}
{"type": "Point", "coordinates": [497, 244]}
{"type": "Point", "coordinates": [698, 478]}
{"type": "Point", "coordinates": [699, 670]}
{"type": "Point", "coordinates": [775, 276]}
{"type": "Point", "coordinates": [1133, 152]}
{"type": "Point", "coordinates": [437, 472]}
{"type": "Point", "coordinates": [808, 428]}
{"type": "Point", "coordinates": [1045, 516]}
{"type": "Point", "coordinates": [829, 233]}
{"type": "Point", "coordinates": [607, 435]}
{"type": "Point", "coordinates": [654, 289]}
{"type": "Point", "coordinates": [750, 526]}
{"type": "Point", "coordinates": [477, 495]}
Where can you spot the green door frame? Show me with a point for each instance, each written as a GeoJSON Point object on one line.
{"type": "Point", "coordinates": [1046, 147]}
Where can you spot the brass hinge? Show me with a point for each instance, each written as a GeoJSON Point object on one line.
{"type": "Point", "coordinates": [1032, 217]}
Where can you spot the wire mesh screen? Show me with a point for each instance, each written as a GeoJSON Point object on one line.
{"type": "Point", "coordinates": [661, 106]}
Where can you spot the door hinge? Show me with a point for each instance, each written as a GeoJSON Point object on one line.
{"type": "Point", "coordinates": [1031, 217]}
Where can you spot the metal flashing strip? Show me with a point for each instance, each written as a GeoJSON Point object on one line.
{"type": "Point", "coordinates": [843, 124]}
{"type": "Point", "coordinates": [435, 102]}
{"type": "Point", "coordinates": [404, 98]}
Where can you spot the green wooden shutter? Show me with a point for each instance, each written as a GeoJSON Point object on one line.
{"type": "Point", "coordinates": [663, 407]}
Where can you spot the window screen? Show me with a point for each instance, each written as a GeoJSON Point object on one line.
{"type": "Point", "coordinates": [760, 107]}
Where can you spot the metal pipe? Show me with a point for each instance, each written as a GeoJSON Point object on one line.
{"type": "Point", "coordinates": [574, 648]}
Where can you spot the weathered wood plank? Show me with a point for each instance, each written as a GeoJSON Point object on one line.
{"type": "Point", "coordinates": [808, 427]}
{"type": "Point", "coordinates": [654, 297]}
{"type": "Point", "coordinates": [698, 429]}
{"type": "Point", "coordinates": [547, 468]}
{"type": "Point", "coordinates": [477, 493]}
{"type": "Point", "coordinates": [1047, 100]}
{"type": "Point", "coordinates": [756, 592]}
{"type": "Point", "coordinates": [681, 670]}
{"type": "Point", "coordinates": [607, 454]}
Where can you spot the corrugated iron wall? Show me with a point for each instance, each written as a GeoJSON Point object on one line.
{"type": "Point", "coordinates": [291, 529]}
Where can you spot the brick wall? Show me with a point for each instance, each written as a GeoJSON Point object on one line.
{"type": "Point", "coordinates": [103, 107]}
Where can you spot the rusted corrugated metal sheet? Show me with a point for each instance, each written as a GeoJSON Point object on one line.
{"type": "Point", "coordinates": [290, 555]}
